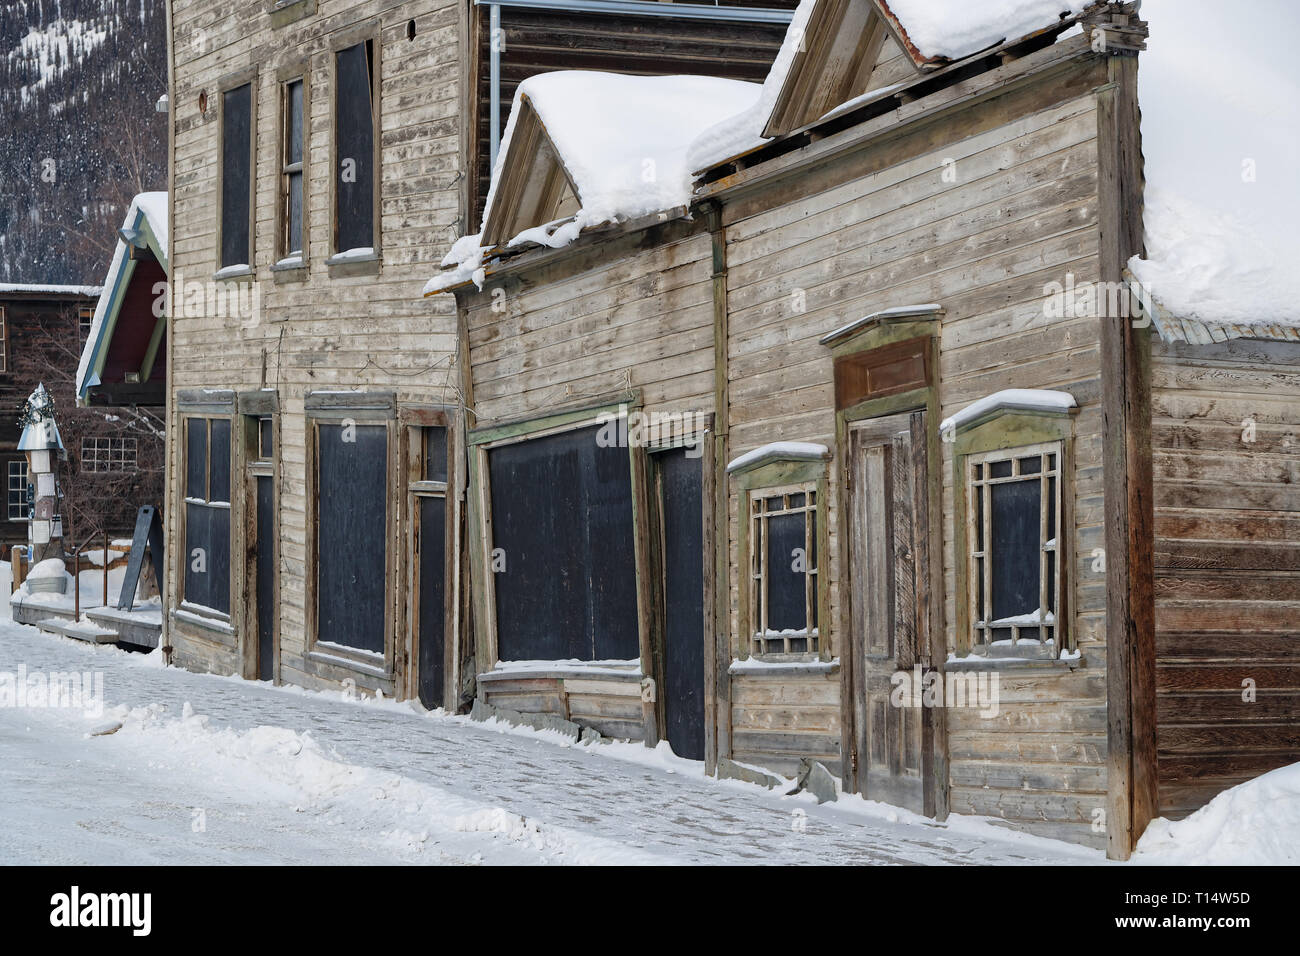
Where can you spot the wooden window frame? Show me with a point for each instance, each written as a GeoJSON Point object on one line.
{"type": "Point", "coordinates": [322, 658]}
{"type": "Point", "coordinates": [227, 84]}
{"type": "Point", "coordinates": [768, 479]}
{"type": "Point", "coordinates": [345, 268]}
{"type": "Point", "coordinates": [412, 421]}
{"type": "Point", "coordinates": [22, 504]}
{"type": "Point", "coordinates": [980, 557]}
{"type": "Point", "coordinates": [107, 448]}
{"type": "Point", "coordinates": [479, 443]}
{"type": "Point", "coordinates": [86, 315]}
{"type": "Point", "coordinates": [182, 602]}
{"type": "Point", "coordinates": [760, 636]}
{"type": "Point", "coordinates": [299, 72]}
{"type": "Point", "coordinates": [998, 435]}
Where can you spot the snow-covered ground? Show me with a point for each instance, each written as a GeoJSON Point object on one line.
{"type": "Point", "coordinates": [217, 770]}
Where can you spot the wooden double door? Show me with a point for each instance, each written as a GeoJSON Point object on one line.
{"type": "Point", "coordinates": [893, 736]}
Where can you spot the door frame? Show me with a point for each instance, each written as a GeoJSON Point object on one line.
{"type": "Point", "coordinates": [411, 421]}
{"type": "Point", "coordinates": [252, 408]}
{"type": "Point", "coordinates": [702, 438]}
{"type": "Point", "coordinates": [883, 336]}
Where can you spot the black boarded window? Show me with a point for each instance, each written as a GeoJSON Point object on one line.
{"type": "Point", "coordinates": [783, 563]}
{"type": "Point", "coordinates": [207, 513]}
{"type": "Point", "coordinates": [354, 123]}
{"type": "Point", "coordinates": [236, 175]}
{"type": "Point", "coordinates": [1015, 509]}
{"type": "Point", "coordinates": [563, 563]}
{"type": "Point", "coordinates": [351, 534]}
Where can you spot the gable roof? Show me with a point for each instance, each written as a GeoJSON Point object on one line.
{"type": "Point", "coordinates": [583, 149]}
{"type": "Point", "coordinates": [145, 226]}
{"type": "Point", "coordinates": [937, 31]}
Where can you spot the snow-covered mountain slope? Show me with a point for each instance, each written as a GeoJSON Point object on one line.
{"type": "Point", "coordinates": [78, 83]}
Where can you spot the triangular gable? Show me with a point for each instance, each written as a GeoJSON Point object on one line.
{"type": "Point", "coordinates": [843, 43]}
{"type": "Point", "coordinates": [142, 246]}
{"type": "Point", "coordinates": [533, 186]}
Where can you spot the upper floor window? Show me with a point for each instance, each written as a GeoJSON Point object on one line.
{"type": "Point", "coordinates": [85, 319]}
{"type": "Point", "coordinates": [237, 176]}
{"type": "Point", "coordinates": [356, 95]}
{"type": "Point", "coordinates": [108, 454]}
{"type": "Point", "coordinates": [292, 161]}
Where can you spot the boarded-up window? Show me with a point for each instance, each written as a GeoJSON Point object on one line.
{"type": "Point", "coordinates": [783, 569]}
{"type": "Point", "coordinates": [565, 567]}
{"type": "Point", "coordinates": [207, 513]}
{"type": "Point", "coordinates": [354, 123]}
{"type": "Point", "coordinates": [236, 175]}
{"type": "Point", "coordinates": [351, 534]}
{"type": "Point", "coordinates": [291, 169]}
{"type": "Point", "coordinates": [1014, 512]}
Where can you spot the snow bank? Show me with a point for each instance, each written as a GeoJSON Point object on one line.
{"type": "Point", "coordinates": [1217, 267]}
{"type": "Point", "coordinates": [1256, 823]}
{"type": "Point", "coordinates": [1030, 399]}
{"type": "Point", "coordinates": [623, 141]}
{"type": "Point", "coordinates": [958, 28]}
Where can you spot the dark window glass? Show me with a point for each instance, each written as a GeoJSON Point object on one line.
{"type": "Point", "coordinates": [293, 167]}
{"type": "Point", "coordinates": [265, 441]}
{"type": "Point", "coordinates": [219, 456]}
{"type": "Point", "coordinates": [196, 458]}
{"type": "Point", "coordinates": [351, 535]}
{"type": "Point", "coordinates": [786, 599]}
{"type": "Point", "coordinates": [236, 175]}
{"type": "Point", "coordinates": [562, 528]}
{"type": "Point", "coordinates": [435, 454]}
{"type": "Point", "coordinates": [207, 513]}
{"type": "Point", "coordinates": [354, 155]}
{"type": "Point", "coordinates": [1017, 547]}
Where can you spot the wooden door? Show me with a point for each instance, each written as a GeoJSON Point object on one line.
{"type": "Point", "coordinates": [265, 572]}
{"type": "Point", "coordinates": [889, 574]}
{"type": "Point", "coordinates": [678, 482]}
{"type": "Point", "coordinates": [428, 508]}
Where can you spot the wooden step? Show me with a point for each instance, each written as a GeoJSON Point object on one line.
{"type": "Point", "coordinates": [82, 631]}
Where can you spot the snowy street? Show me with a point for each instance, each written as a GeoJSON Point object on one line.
{"type": "Point", "coordinates": [217, 770]}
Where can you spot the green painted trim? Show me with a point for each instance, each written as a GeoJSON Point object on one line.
{"type": "Point", "coordinates": [884, 333]}
{"type": "Point", "coordinates": [912, 401]}
{"type": "Point", "coordinates": [479, 569]}
{"type": "Point", "coordinates": [151, 353]}
{"type": "Point", "coordinates": [785, 471]}
{"type": "Point", "coordinates": [1010, 429]}
{"type": "Point", "coordinates": [489, 434]}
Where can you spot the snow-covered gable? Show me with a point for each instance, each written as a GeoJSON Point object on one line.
{"type": "Point", "coordinates": [146, 216]}
{"type": "Point", "coordinates": [826, 36]}
{"type": "Point", "coordinates": [618, 142]}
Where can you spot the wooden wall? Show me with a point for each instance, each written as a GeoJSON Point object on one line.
{"type": "Point", "coordinates": [1227, 559]}
{"type": "Point", "coordinates": [883, 227]}
{"type": "Point", "coordinates": [317, 332]}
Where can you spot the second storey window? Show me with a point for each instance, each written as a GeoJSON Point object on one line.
{"type": "Point", "coordinates": [355, 97]}
{"type": "Point", "coordinates": [85, 319]}
{"type": "Point", "coordinates": [236, 176]}
{"type": "Point", "coordinates": [291, 170]}
{"type": "Point", "coordinates": [108, 454]}
{"type": "Point", "coordinates": [1014, 508]}
{"type": "Point", "coordinates": [207, 514]}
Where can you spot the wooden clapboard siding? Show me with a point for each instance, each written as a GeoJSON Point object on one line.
{"type": "Point", "coordinates": [316, 332]}
{"type": "Point", "coordinates": [881, 227]}
{"type": "Point", "coordinates": [1227, 558]}
{"type": "Point", "coordinates": [778, 720]}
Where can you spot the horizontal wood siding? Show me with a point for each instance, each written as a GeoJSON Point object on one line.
{"type": "Point", "coordinates": [885, 227]}
{"type": "Point", "coordinates": [1227, 559]}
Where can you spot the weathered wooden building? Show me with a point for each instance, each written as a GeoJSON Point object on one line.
{"type": "Point", "coordinates": [944, 546]}
{"type": "Point", "coordinates": [114, 454]}
{"type": "Point", "coordinates": [808, 421]}
{"type": "Point", "coordinates": [323, 152]}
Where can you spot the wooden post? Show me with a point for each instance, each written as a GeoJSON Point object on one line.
{"type": "Point", "coordinates": [76, 586]}
{"type": "Point", "coordinates": [1132, 798]}
{"type": "Point", "coordinates": [15, 568]}
{"type": "Point", "coordinates": [105, 567]}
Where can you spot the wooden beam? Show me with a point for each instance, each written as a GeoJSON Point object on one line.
{"type": "Point", "coordinates": [1126, 401]}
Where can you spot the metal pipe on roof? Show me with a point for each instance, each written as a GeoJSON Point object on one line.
{"type": "Point", "coordinates": [651, 8]}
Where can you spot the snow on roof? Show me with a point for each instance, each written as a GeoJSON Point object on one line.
{"type": "Point", "coordinates": [797, 450]}
{"type": "Point", "coordinates": [1019, 399]}
{"type": "Point", "coordinates": [952, 29]}
{"type": "Point", "coordinates": [152, 208]}
{"type": "Point", "coordinates": [1221, 162]}
{"type": "Point", "coordinates": [24, 288]}
{"type": "Point", "coordinates": [622, 140]}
